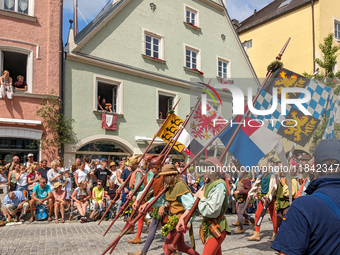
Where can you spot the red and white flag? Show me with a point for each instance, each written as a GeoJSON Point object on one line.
{"type": "Point", "coordinates": [109, 121]}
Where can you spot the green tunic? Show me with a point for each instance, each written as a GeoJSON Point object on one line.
{"type": "Point", "coordinates": [209, 205]}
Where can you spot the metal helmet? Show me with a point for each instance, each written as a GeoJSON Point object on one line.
{"type": "Point", "coordinates": [156, 162]}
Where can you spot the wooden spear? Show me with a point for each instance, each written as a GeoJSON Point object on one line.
{"type": "Point", "coordinates": [172, 246]}
{"type": "Point", "coordinates": [128, 179]}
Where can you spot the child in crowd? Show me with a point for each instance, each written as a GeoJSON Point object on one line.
{"type": "Point", "coordinates": [33, 177]}
{"type": "Point", "coordinates": [59, 202]}
{"type": "Point", "coordinates": [67, 185]}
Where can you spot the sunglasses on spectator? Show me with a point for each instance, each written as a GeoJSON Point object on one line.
{"type": "Point", "coordinates": [99, 184]}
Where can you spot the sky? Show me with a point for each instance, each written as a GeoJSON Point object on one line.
{"type": "Point", "coordinates": [237, 9]}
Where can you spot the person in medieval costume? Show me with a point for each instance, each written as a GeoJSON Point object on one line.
{"type": "Point", "coordinates": [212, 205]}
{"type": "Point", "coordinates": [154, 189]}
{"type": "Point", "coordinates": [282, 197]}
{"type": "Point", "coordinates": [144, 165]}
{"type": "Point", "coordinates": [179, 200]}
{"type": "Point", "coordinates": [136, 178]}
{"type": "Point", "coordinates": [268, 182]}
{"type": "Point", "coordinates": [241, 193]}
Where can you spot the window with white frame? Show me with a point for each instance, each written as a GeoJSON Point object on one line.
{"type": "Point", "coordinates": [337, 29]}
{"type": "Point", "coordinates": [191, 16]}
{"type": "Point", "coordinates": [165, 104]}
{"type": "Point", "coordinates": [18, 63]}
{"type": "Point", "coordinates": [20, 6]}
{"type": "Point", "coordinates": [153, 45]}
{"type": "Point", "coordinates": [222, 67]}
{"type": "Point", "coordinates": [191, 58]}
{"type": "Point", "coordinates": [107, 97]}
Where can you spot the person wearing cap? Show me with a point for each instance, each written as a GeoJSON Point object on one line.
{"type": "Point", "coordinates": [212, 205]}
{"type": "Point", "coordinates": [169, 160]}
{"type": "Point", "coordinates": [15, 200]}
{"type": "Point", "coordinates": [311, 226]}
{"type": "Point", "coordinates": [30, 160]}
{"type": "Point", "coordinates": [153, 190]}
{"type": "Point", "coordinates": [59, 202]}
{"type": "Point", "coordinates": [181, 163]}
{"type": "Point", "coordinates": [101, 173]}
{"type": "Point", "coordinates": [179, 200]}
{"type": "Point", "coordinates": [268, 182]}
{"type": "Point", "coordinates": [124, 160]}
{"type": "Point", "coordinates": [194, 186]}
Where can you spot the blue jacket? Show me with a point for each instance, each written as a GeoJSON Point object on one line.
{"type": "Point", "coordinates": [311, 227]}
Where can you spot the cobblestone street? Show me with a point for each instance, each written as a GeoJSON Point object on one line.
{"type": "Point", "coordinates": [75, 238]}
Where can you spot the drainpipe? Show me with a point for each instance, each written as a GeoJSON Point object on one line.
{"type": "Point", "coordinates": [61, 67]}
{"type": "Point", "coordinates": [313, 28]}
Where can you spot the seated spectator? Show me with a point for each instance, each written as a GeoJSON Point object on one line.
{"type": "Point", "coordinates": [15, 200]}
{"type": "Point", "coordinates": [81, 196]}
{"type": "Point", "coordinates": [108, 107]}
{"type": "Point", "coordinates": [21, 176]}
{"type": "Point", "coordinates": [98, 196]}
{"type": "Point", "coordinates": [33, 177]}
{"type": "Point", "coordinates": [54, 175]}
{"type": "Point", "coordinates": [110, 193]}
{"type": "Point", "coordinates": [99, 104]}
{"type": "Point", "coordinates": [3, 180]}
{"type": "Point", "coordinates": [59, 202]}
{"type": "Point", "coordinates": [103, 104]}
{"type": "Point", "coordinates": [42, 196]}
{"type": "Point", "coordinates": [6, 88]}
{"type": "Point", "coordinates": [20, 83]}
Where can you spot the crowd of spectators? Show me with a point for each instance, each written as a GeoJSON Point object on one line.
{"type": "Point", "coordinates": [91, 185]}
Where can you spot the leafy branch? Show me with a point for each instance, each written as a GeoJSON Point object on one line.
{"type": "Point", "coordinates": [59, 129]}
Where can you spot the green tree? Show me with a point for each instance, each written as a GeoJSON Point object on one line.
{"type": "Point", "coordinates": [59, 129]}
{"type": "Point", "coordinates": [326, 75]}
{"type": "Point", "coordinates": [329, 56]}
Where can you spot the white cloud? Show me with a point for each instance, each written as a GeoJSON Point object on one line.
{"type": "Point", "coordinates": [89, 8]}
{"type": "Point", "coordinates": [242, 9]}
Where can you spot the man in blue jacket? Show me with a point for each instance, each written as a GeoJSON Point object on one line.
{"type": "Point", "coordinates": [312, 224]}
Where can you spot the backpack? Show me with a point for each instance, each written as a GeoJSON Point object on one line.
{"type": "Point", "coordinates": [40, 213]}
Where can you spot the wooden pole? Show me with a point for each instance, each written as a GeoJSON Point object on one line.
{"type": "Point", "coordinates": [226, 149]}
{"type": "Point", "coordinates": [172, 246]}
{"type": "Point", "coordinates": [139, 160]}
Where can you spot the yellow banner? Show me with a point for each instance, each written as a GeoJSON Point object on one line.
{"type": "Point", "coordinates": [169, 129]}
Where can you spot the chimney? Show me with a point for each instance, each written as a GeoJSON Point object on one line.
{"type": "Point", "coordinates": [254, 11]}
{"type": "Point", "coordinates": [235, 23]}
